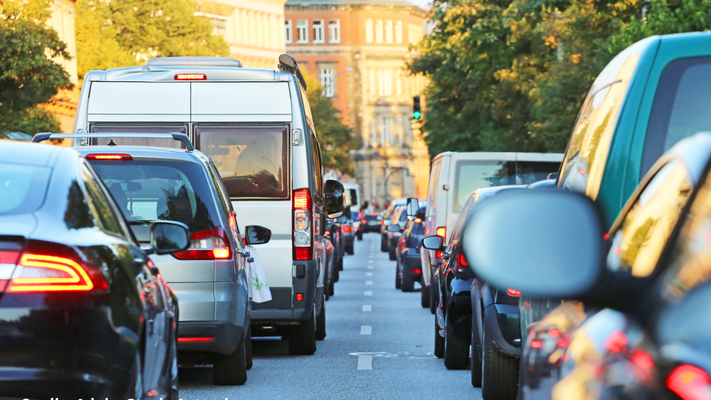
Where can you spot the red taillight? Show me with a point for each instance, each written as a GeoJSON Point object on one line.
{"type": "Point", "coordinates": [605, 236]}
{"type": "Point", "coordinates": [194, 339]}
{"type": "Point", "coordinates": [564, 341]}
{"type": "Point", "coordinates": [382, 222]}
{"type": "Point", "coordinates": [327, 233]}
{"type": "Point", "coordinates": [210, 244]}
{"type": "Point", "coordinates": [363, 221]}
{"type": "Point", "coordinates": [553, 333]}
{"type": "Point", "coordinates": [9, 257]}
{"type": "Point", "coordinates": [536, 344]}
{"type": "Point", "coordinates": [441, 232]}
{"type": "Point", "coordinates": [303, 253]}
{"type": "Point", "coordinates": [109, 157]}
{"type": "Point", "coordinates": [416, 271]}
{"type": "Point", "coordinates": [302, 199]}
{"type": "Point", "coordinates": [690, 383]}
{"type": "Point", "coordinates": [418, 220]}
{"type": "Point", "coordinates": [299, 297]}
{"type": "Point", "coordinates": [302, 225]}
{"type": "Point", "coordinates": [190, 77]}
{"type": "Point", "coordinates": [462, 261]}
{"type": "Point", "coordinates": [439, 254]}
{"type": "Point", "coordinates": [513, 292]}
{"type": "Point", "coordinates": [347, 228]}
{"type": "Point", "coordinates": [44, 273]}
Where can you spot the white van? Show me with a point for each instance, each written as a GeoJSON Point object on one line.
{"type": "Point", "coordinates": [455, 176]}
{"type": "Point", "coordinates": [257, 128]}
{"type": "Point", "coordinates": [353, 199]}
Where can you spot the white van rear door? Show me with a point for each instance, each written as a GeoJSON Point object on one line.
{"type": "Point", "coordinates": [241, 102]}
{"type": "Point", "coordinates": [139, 101]}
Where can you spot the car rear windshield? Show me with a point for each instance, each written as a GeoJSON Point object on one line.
{"type": "Point", "coordinates": [146, 191]}
{"type": "Point", "coordinates": [252, 161]}
{"type": "Point", "coordinates": [22, 188]}
{"type": "Point", "coordinates": [475, 174]}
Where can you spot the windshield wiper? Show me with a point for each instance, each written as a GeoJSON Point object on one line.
{"type": "Point", "coordinates": [140, 222]}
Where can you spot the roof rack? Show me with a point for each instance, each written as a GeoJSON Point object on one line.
{"type": "Point", "coordinates": [181, 137]}
{"type": "Point", "coordinates": [222, 62]}
{"type": "Point", "coordinates": [288, 63]}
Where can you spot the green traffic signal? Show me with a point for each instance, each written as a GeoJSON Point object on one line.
{"type": "Point", "coordinates": [416, 115]}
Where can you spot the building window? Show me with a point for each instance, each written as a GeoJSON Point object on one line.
{"type": "Point", "coordinates": [378, 31]}
{"type": "Point", "coordinates": [388, 31]}
{"type": "Point", "coordinates": [415, 33]}
{"type": "Point", "coordinates": [334, 31]}
{"type": "Point", "coordinates": [398, 31]}
{"type": "Point", "coordinates": [318, 31]}
{"type": "Point", "coordinates": [398, 82]}
{"type": "Point", "coordinates": [386, 82]}
{"type": "Point", "coordinates": [386, 131]}
{"type": "Point", "coordinates": [371, 79]}
{"type": "Point", "coordinates": [327, 76]}
{"type": "Point", "coordinates": [302, 30]}
{"type": "Point", "coordinates": [369, 30]}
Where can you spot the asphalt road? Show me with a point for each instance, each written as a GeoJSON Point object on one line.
{"type": "Point", "coordinates": [379, 345]}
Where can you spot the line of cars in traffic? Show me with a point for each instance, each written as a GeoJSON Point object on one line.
{"type": "Point", "coordinates": [130, 254]}
{"type": "Point", "coordinates": [592, 284]}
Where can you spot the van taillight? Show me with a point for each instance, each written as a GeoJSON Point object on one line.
{"type": "Point", "coordinates": [109, 157]}
{"type": "Point", "coordinates": [513, 292]}
{"type": "Point", "coordinates": [47, 273]}
{"type": "Point", "coordinates": [302, 225]}
{"type": "Point", "coordinates": [190, 77]}
{"type": "Point", "coordinates": [210, 244]}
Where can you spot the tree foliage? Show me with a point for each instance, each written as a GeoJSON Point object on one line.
{"type": "Point", "coordinates": [122, 33]}
{"type": "Point", "coordinates": [336, 139]}
{"type": "Point", "coordinates": [512, 75]}
{"type": "Point", "coordinates": [28, 75]}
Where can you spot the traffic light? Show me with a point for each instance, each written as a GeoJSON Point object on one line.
{"type": "Point", "coordinates": [416, 110]}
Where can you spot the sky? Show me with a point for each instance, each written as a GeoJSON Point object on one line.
{"type": "Point", "coordinates": [421, 3]}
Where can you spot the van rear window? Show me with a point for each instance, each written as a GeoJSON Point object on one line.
{"type": "Point", "coordinates": [138, 128]}
{"type": "Point", "coordinates": [252, 161]}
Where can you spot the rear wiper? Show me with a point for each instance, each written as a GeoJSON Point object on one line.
{"type": "Point", "coordinates": [140, 222]}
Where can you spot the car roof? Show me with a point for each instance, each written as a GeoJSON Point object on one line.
{"type": "Point", "coordinates": [147, 152]}
{"type": "Point", "coordinates": [13, 152]}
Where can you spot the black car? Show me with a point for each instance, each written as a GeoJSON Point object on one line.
{"type": "Point", "coordinates": [635, 323]}
{"type": "Point", "coordinates": [385, 222]}
{"type": "Point", "coordinates": [408, 268]}
{"type": "Point", "coordinates": [83, 311]}
{"type": "Point", "coordinates": [370, 223]}
{"type": "Point", "coordinates": [397, 220]}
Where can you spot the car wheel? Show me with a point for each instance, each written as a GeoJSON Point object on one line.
{"type": "Point", "coordinates": [392, 255]}
{"type": "Point", "coordinates": [321, 323]}
{"type": "Point", "coordinates": [475, 359]}
{"type": "Point", "coordinates": [327, 282]}
{"type": "Point", "coordinates": [499, 373]}
{"type": "Point", "coordinates": [456, 349]}
{"type": "Point", "coordinates": [340, 265]}
{"type": "Point", "coordinates": [408, 283]}
{"type": "Point", "coordinates": [173, 390]}
{"type": "Point", "coordinates": [439, 341]}
{"type": "Point", "coordinates": [425, 296]}
{"type": "Point", "coordinates": [231, 369]}
{"type": "Point", "coordinates": [248, 338]}
{"type": "Point", "coordinates": [337, 274]}
{"type": "Point", "coordinates": [302, 340]}
{"type": "Point", "coordinates": [383, 244]}
{"type": "Point", "coordinates": [331, 287]}
{"type": "Point", "coordinates": [360, 236]}
{"type": "Point", "coordinates": [434, 297]}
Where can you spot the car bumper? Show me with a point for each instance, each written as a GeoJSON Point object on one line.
{"type": "Point", "coordinates": [225, 336]}
{"type": "Point", "coordinates": [502, 323]}
{"type": "Point", "coordinates": [411, 263]}
{"type": "Point", "coordinates": [284, 309]}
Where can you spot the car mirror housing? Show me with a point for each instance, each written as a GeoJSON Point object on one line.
{"type": "Point", "coordinates": [413, 208]}
{"type": "Point", "coordinates": [333, 195]}
{"type": "Point", "coordinates": [433, 242]}
{"type": "Point", "coordinates": [169, 237]}
{"type": "Point", "coordinates": [258, 235]}
{"type": "Point", "coordinates": [543, 243]}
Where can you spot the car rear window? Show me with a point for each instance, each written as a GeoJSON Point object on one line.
{"type": "Point", "coordinates": [147, 191]}
{"type": "Point", "coordinates": [252, 161]}
{"type": "Point", "coordinates": [22, 188]}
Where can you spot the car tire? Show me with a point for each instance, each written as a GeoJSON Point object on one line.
{"type": "Point", "coordinates": [499, 373]}
{"type": "Point", "coordinates": [327, 279]}
{"type": "Point", "coordinates": [360, 236]}
{"type": "Point", "coordinates": [337, 274]}
{"type": "Point", "coordinates": [302, 339]}
{"type": "Point", "coordinates": [350, 251]}
{"type": "Point", "coordinates": [331, 288]}
{"type": "Point", "coordinates": [475, 359]}
{"type": "Point", "coordinates": [398, 283]}
{"type": "Point", "coordinates": [340, 265]}
{"type": "Point", "coordinates": [434, 296]}
{"type": "Point", "coordinates": [248, 338]}
{"type": "Point", "coordinates": [456, 349]}
{"type": "Point", "coordinates": [392, 255]}
{"type": "Point", "coordinates": [231, 369]}
{"type": "Point", "coordinates": [321, 323]}
{"type": "Point", "coordinates": [408, 283]}
{"type": "Point", "coordinates": [383, 244]}
{"type": "Point", "coordinates": [425, 296]}
{"type": "Point", "coordinates": [439, 341]}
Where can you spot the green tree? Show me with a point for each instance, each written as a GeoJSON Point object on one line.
{"type": "Point", "coordinates": [121, 33]}
{"type": "Point", "coordinates": [336, 139]}
{"type": "Point", "coordinates": [28, 76]}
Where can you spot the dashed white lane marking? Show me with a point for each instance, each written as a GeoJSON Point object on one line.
{"type": "Point", "coordinates": [366, 330]}
{"type": "Point", "coordinates": [368, 283]}
{"type": "Point", "coordinates": [369, 267]}
{"type": "Point", "coordinates": [365, 363]}
{"type": "Point", "coordinates": [370, 261]}
{"type": "Point", "coordinates": [368, 293]}
{"type": "Point", "coordinates": [368, 274]}
{"type": "Point", "coordinates": [367, 308]}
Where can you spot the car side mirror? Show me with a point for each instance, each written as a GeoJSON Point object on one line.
{"type": "Point", "coordinates": [543, 243]}
{"type": "Point", "coordinates": [333, 195]}
{"type": "Point", "coordinates": [169, 237]}
{"type": "Point", "coordinates": [413, 208]}
{"type": "Point", "coordinates": [433, 242]}
{"type": "Point", "coordinates": [394, 228]}
{"type": "Point", "coordinates": [258, 235]}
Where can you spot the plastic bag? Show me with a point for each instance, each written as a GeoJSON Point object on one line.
{"type": "Point", "coordinates": [258, 285]}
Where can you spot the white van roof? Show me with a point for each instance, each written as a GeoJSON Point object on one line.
{"type": "Point", "coordinates": [512, 156]}
{"type": "Point", "coordinates": [222, 62]}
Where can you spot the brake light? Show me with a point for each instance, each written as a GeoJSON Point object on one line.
{"type": "Point", "coordinates": [302, 225]}
{"type": "Point", "coordinates": [194, 339]}
{"type": "Point", "coordinates": [347, 228]}
{"type": "Point", "coordinates": [109, 157]}
{"type": "Point", "coordinates": [416, 271]}
{"type": "Point", "coordinates": [190, 77]}
{"type": "Point", "coordinates": [418, 220]}
{"type": "Point", "coordinates": [441, 232]}
{"type": "Point", "coordinates": [513, 292]}
{"type": "Point", "coordinates": [327, 233]}
{"type": "Point", "coordinates": [689, 383]}
{"type": "Point", "coordinates": [382, 222]}
{"type": "Point", "coordinates": [536, 344]}
{"type": "Point", "coordinates": [553, 333]}
{"type": "Point", "coordinates": [210, 244]}
{"type": "Point", "coordinates": [439, 254]}
{"type": "Point", "coordinates": [363, 221]}
{"type": "Point", "coordinates": [44, 273]}
{"type": "Point", "coordinates": [461, 263]}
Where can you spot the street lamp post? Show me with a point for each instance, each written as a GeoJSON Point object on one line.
{"type": "Point", "coordinates": [388, 177]}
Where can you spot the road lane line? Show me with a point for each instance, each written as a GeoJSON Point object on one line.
{"type": "Point", "coordinates": [366, 330]}
{"type": "Point", "coordinates": [365, 363]}
{"type": "Point", "coordinates": [368, 283]}
{"type": "Point", "coordinates": [369, 267]}
{"type": "Point", "coordinates": [368, 274]}
{"type": "Point", "coordinates": [368, 293]}
{"type": "Point", "coordinates": [367, 308]}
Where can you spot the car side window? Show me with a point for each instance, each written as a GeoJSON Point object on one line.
{"type": "Point", "coordinates": [644, 230]}
{"type": "Point", "coordinates": [100, 205]}
{"type": "Point", "coordinates": [463, 215]}
{"type": "Point", "coordinates": [689, 264]}
{"type": "Point", "coordinates": [318, 170]}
